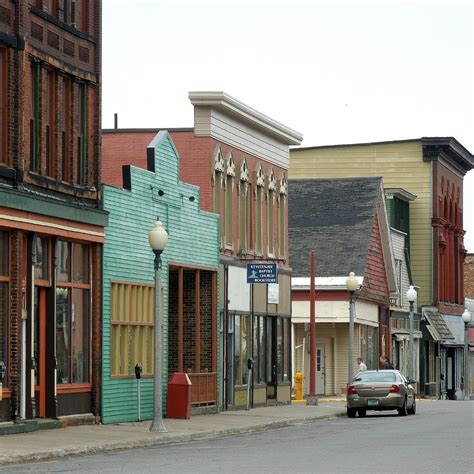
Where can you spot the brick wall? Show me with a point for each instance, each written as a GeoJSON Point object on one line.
{"type": "Point", "coordinates": [469, 276]}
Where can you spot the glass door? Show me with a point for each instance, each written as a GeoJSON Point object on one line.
{"type": "Point", "coordinates": [39, 344]}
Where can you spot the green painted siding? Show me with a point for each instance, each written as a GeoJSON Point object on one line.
{"type": "Point", "coordinates": [193, 240]}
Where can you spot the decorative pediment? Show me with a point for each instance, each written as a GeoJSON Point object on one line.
{"type": "Point", "coordinates": [244, 171]}
{"type": "Point", "coordinates": [272, 181]}
{"type": "Point", "coordinates": [219, 163]}
{"type": "Point", "coordinates": [283, 185]}
{"type": "Point", "coordinates": [230, 166]}
{"type": "Point", "coordinates": [260, 177]}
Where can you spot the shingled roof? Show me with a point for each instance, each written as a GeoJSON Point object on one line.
{"type": "Point", "coordinates": [334, 218]}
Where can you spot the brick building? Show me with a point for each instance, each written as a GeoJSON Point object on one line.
{"type": "Point", "coordinates": [469, 276]}
{"type": "Point", "coordinates": [239, 158]}
{"type": "Point", "coordinates": [51, 222]}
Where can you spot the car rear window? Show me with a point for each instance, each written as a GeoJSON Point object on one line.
{"type": "Point", "coordinates": [376, 377]}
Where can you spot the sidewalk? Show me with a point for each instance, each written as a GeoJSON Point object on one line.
{"type": "Point", "coordinates": [89, 439]}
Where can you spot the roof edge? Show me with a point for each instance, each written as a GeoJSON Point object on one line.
{"type": "Point", "coordinates": [228, 104]}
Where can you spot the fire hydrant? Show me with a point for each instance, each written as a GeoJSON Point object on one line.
{"type": "Point", "coordinates": [299, 385]}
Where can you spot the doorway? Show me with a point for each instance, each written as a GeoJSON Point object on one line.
{"type": "Point", "coordinates": [320, 369]}
{"type": "Point", "coordinates": [39, 347]}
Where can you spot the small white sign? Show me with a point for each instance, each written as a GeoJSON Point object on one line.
{"type": "Point", "coordinates": [273, 292]}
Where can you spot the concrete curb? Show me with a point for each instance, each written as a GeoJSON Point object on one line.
{"type": "Point", "coordinates": [152, 441]}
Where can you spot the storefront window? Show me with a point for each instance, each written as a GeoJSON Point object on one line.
{"type": "Point", "coordinates": [81, 263]}
{"type": "Point", "coordinates": [62, 335]}
{"type": "Point", "coordinates": [41, 259]}
{"type": "Point", "coordinates": [63, 262]}
{"type": "Point", "coordinates": [242, 344]}
{"type": "Point", "coordinates": [4, 293]}
{"type": "Point", "coordinates": [282, 349]}
{"type": "Point", "coordinates": [73, 313]}
{"type": "Point", "coordinates": [269, 351]}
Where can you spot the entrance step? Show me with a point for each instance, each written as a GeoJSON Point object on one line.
{"type": "Point", "coordinates": [27, 426]}
{"type": "Point", "coordinates": [271, 402]}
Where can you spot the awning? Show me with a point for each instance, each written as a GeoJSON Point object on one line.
{"type": "Point", "coordinates": [437, 327]}
{"type": "Point", "coordinates": [433, 333]}
{"type": "Point", "coordinates": [404, 334]}
{"type": "Point", "coordinates": [456, 326]}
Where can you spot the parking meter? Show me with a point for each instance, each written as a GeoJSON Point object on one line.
{"type": "Point", "coordinates": [250, 363]}
{"type": "Point", "coordinates": [138, 371]}
{"type": "Point", "coordinates": [3, 370]}
{"type": "Point", "coordinates": [138, 376]}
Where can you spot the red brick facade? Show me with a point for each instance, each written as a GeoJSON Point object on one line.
{"type": "Point", "coordinates": [469, 276]}
{"type": "Point", "coordinates": [448, 235]}
{"type": "Point", "coordinates": [50, 67]}
{"type": "Point", "coordinates": [197, 154]}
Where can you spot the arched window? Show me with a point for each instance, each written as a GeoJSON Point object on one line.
{"type": "Point", "coordinates": [260, 186]}
{"type": "Point", "coordinates": [229, 190]}
{"type": "Point", "coordinates": [244, 208]}
{"type": "Point", "coordinates": [270, 213]}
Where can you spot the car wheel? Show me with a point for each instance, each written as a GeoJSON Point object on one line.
{"type": "Point", "coordinates": [362, 412]}
{"type": "Point", "coordinates": [403, 410]}
{"type": "Point", "coordinates": [412, 409]}
{"type": "Point", "coordinates": [351, 412]}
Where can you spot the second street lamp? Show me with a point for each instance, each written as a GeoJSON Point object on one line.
{"type": "Point", "coordinates": [158, 238]}
{"type": "Point", "coordinates": [352, 286]}
{"type": "Point", "coordinates": [411, 297]}
{"type": "Point", "coordinates": [466, 317]}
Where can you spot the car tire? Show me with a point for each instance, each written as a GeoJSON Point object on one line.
{"type": "Point", "coordinates": [351, 412]}
{"type": "Point", "coordinates": [412, 409]}
{"type": "Point", "coordinates": [362, 412]}
{"type": "Point", "coordinates": [403, 410]}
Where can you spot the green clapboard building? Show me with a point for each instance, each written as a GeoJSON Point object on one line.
{"type": "Point", "coordinates": [189, 286]}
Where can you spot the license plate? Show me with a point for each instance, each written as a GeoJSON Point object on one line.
{"type": "Point", "coordinates": [372, 403]}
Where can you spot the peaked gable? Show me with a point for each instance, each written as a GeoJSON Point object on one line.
{"type": "Point", "coordinates": [335, 218]}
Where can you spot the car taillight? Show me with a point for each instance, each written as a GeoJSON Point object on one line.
{"type": "Point", "coordinates": [394, 389]}
{"type": "Point", "coordinates": [352, 390]}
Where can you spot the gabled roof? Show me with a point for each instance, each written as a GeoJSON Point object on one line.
{"type": "Point", "coordinates": [334, 217]}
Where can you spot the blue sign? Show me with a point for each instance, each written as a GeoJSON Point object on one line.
{"type": "Point", "coordinates": [261, 273]}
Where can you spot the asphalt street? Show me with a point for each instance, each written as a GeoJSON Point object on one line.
{"type": "Point", "coordinates": [439, 438]}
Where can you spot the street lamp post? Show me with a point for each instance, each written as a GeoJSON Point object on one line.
{"type": "Point", "coordinates": [466, 317]}
{"type": "Point", "coordinates": [352, 285]}
{"type": "Point", "coordinates": [411, 297]}
{"type": "Point", "coordinates": [158, 238]}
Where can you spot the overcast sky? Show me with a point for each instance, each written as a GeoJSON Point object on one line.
{"type": "Point", "coordinates": [336, 71]}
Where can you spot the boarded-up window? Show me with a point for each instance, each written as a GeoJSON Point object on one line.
{"type": "Point", "coordinates": [132, 328]}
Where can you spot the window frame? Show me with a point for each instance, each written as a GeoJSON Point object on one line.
{"type": "Point", "coordinates": [141, 328]}
{"type": "Point", "coordinates": [71, 285]}
{"type": "Point", "coordinates": [229, 202]}
{"type": "Point", "coordinates": [35, 120]}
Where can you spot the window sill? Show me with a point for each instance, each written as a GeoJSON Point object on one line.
{"type": "Point", "coordinates": [73, 388]}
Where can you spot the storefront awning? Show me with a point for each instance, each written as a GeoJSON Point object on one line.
{"type": "Point", "coordinates": [404, 334]}
{"type": "Point", "coordinates": [437, 327]}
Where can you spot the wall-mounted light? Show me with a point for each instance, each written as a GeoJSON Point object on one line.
{"type": "Point", "coordinates": [192, 198]}
{"type": "Point", "coordinates": [161, 192]}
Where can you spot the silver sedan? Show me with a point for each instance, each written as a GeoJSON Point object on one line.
{"type": "Point", "coordinates": [380, 390]}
